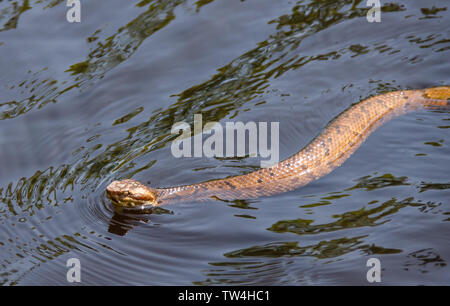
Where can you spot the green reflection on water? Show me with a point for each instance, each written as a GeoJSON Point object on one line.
{"type": "Point", "coordinates": [432, 12]}
{"type": "Point", "coordinates": [129, 116]}
{"type": "Point", "coordinates": [239, 270]}
{"type": "Point", "coordinates": [433, 186]}
{"type": "Point", "coordinates": [247, 75]}
{"type": "Point", "coordinates": [352, 219]}
{"type": "Point", "coordinates": [434, 143]}
{"type": "Point", "coordinates": [321, 250]}
{"type": "Point", "coordinates": [268, 262]}
{"type": "Point", "coordinates": [108, 54]}
{"type": "Point", "coordinates": [386, 180]}
{"type": "Point", "coordinates": [424, 258]}
{"type": "Point", "coordinates": [12, 13]}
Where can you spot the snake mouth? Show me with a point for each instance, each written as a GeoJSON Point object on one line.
{"type": "Point", "coordinates": [127, 202]}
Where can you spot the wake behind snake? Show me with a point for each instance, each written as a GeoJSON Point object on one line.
{"type": "Point", "coordinates": [328, 150]}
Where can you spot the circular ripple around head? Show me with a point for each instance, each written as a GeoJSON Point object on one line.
{"type": "Point", "coordinates": [99, 210]}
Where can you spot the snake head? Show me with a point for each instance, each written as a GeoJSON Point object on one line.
{"type": "Point", "coordinates": [131, 193]}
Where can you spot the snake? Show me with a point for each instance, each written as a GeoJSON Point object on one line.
{"type": "Point", "coordinates": [327, 151]}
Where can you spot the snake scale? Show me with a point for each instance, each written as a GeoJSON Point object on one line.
{"type": "Point", "coordinates": [328, 150]}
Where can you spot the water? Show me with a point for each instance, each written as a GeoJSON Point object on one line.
{"type": "Point", "coordinates": [84, 104]}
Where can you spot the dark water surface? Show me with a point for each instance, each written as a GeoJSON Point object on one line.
{"type": "Point", "coordinates": [84, 104]}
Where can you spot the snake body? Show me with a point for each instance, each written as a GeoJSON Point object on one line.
{"type": "Point", "coordinates": [328, 150]}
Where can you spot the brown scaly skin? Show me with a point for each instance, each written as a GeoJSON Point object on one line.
{"type": "Point", "coordinates": [323, 154]}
